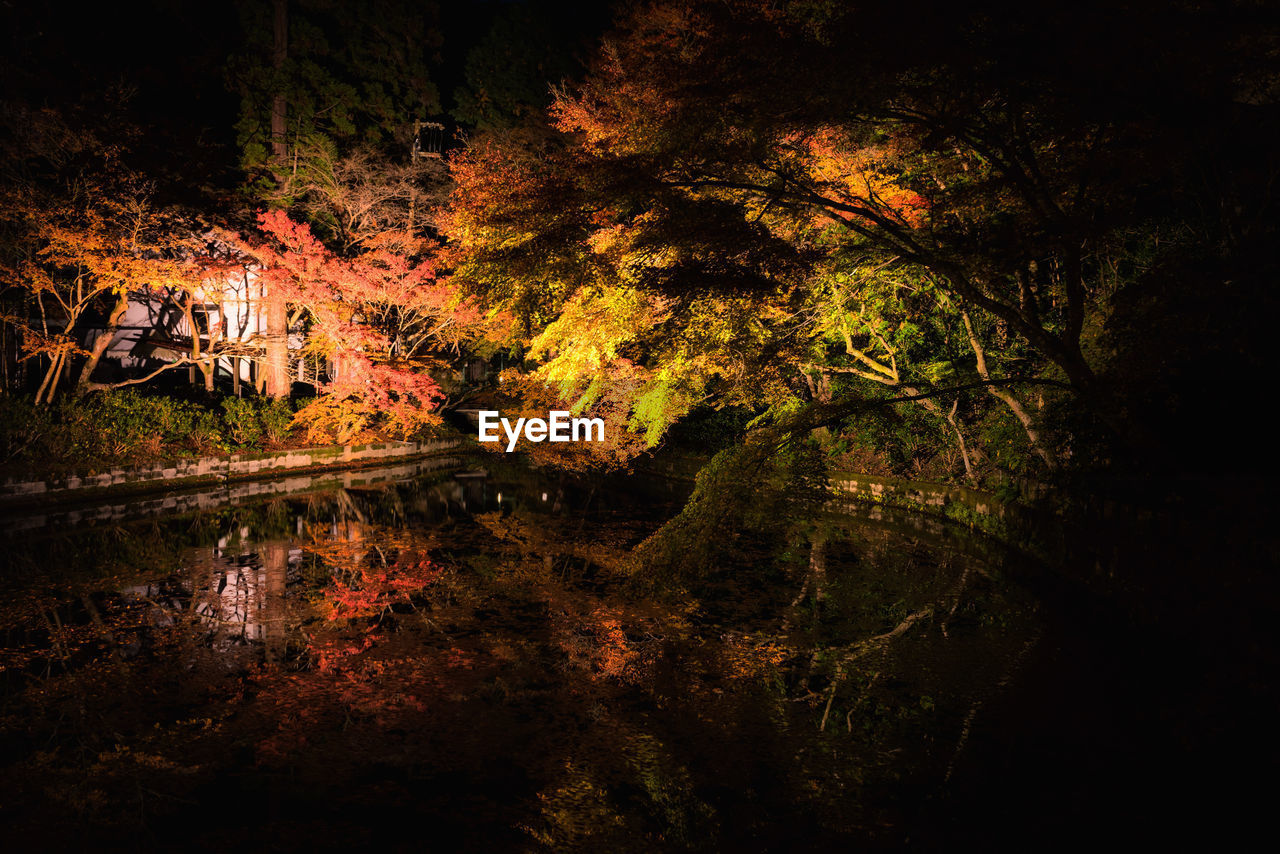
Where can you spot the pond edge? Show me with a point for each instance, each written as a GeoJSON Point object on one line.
{"type": "Point", "coordinates": [201, 471]}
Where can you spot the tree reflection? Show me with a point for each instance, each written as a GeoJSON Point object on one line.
{"type": "Point", "coordinates": [387, 644]}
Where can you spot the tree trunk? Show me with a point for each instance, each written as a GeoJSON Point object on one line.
{"type": "Point", "coordinates": [102, 342]}
{"type": "Point", "coordinates": [1008, 398]}
{"type": "Point", "coordinates": [7, 359]}
{"type": "Point", "coordinates": [50, 378]}
{"type": "Point", "coordinates": [276, 376]}
{"type": "Point", "coordinates": [934, 409]}
{"type": "Point", "coordinates": [964, 449]}
{"type": "Point", "coordinates": [277, 383]}
{"type": "Point", "coordinates": [820, 390]}
{"type": "Point", "coordinates": [279, 149]}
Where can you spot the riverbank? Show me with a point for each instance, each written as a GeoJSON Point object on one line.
{"type": "Point", "coordinates": [210, 470]}
{"type": "Point", "coordinates": [1115, 535]}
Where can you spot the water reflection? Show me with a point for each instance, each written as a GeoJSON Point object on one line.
{"type": "Point", "coordinates": [478, 653]}
{"type": "Point", "coordinates": [16, 521]}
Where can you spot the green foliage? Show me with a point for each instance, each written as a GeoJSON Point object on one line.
{"type": "Point", "coordinates": [355, 74]}
{"type": "Point", "coordinates": [747, 491]}
{"type": "Point", "coordinates": [904, 439]}
{"type": "Point", "coordinates": [712, 429]}
{"type": "Point", "coordinates": [1003, 436]}
{"type": "Point", "coordinates": [657, 408]}
{"type": "Point", "coordinates": [255, 422]}
{"type": "Point", "coordinates": [123, 426]}
{"type": "Point", "coordinates": [23, 427]}
{"type": "Point", "coordinates": [509, 75]}
{"type": "Point", "coordinates": [242, 424]}
{"type": "Point", "coordinates": [277, 419]}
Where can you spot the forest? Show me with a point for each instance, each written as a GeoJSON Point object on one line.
{"type": "Point", "coordinates": [1018, 255]}
{"type": "Point", "coordinates": [998, 247]}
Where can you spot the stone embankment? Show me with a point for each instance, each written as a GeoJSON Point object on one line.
{"type": "Point", "coordinates": [1035, 530]}
{"type": "Point", "coordinates": [201, 471]}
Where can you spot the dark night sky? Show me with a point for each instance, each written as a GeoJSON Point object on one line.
{"type": "Point", "coordinates": [169, 56]}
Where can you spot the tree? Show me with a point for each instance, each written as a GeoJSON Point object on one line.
{"type": "Point", "coordinates": [1019, 165]}
{"type": "Point", "coordinates": [81, 254]}
{"type": "Point", "coordinates": [320, 73]}
{"type": "Point", "coordinates": [340, 79]}
{"type": "Point", "coordinates": [529, 49]}
{"type": "Point", "coordinates": [988, 192]}
{"type": "Point", "coordinates": [577, 295]}
{"type": "Point", "coordinates": [382, 317]}
{"type": "Point", "coordinates": [953, 153]}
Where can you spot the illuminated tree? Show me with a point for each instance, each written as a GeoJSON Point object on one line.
{"type": "Point", "coordinates": [382, 317]}
{"type": "Point", "coordinates": [577, 294]}
{"type": "Point", "coordinates": [322, 87]}
{"type": "Point", "coordinates": [690, 214]}
{"type": "Point", "coordinates": [963, 185]}
{"type": "Point", "coordinates": [82, 254]}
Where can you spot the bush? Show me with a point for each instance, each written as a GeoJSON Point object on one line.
{"type": "Point", "coordinates": [277, 419]}
{"type": "Point", "coordinates": [124, 426]}
{"type": "Point", "coordinates": [253, 421]}
{"type": "Point", "coordinates": [206, 432]}
{"type": "Point", "coordinates": [111, 427]}
{"type": "Point", "coordinates": [241, 421]}
{"type": "Point", "coordinates": [115, 424]}
{"type": "Point", "coordinates": [24, 429]}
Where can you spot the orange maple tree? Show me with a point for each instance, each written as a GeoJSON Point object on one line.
{"type": "Point", "coordinates": [382, 317]}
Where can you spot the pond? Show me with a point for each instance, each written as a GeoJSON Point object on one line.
{"type": "Point", "coordinates": [471, 657]}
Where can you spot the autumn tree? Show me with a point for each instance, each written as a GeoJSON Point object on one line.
{"type": "Point", "coordinates": [580, 294]}
{"type": "Point", "coordinates": [642, 321]}
{"type": "Point", "coordinates": [324, 88]}
{"type": "Point", "coordinates": [363, 198]}
{"type": "Point", "coordinates": [79, 254]}
{"type": "Point", "coordinates": [381, 316]}
{"type": "Point", "coordinates": [954, 153]}
{"type": "Point", "coordinates": [990, 193]}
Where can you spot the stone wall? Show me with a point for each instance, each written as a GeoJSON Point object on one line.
{"type": "Point", "coordinates": [919, 494]}
{"type": "Point", "coordinates": [63, 515]}
{"type": "Point", "coordinates": [969, 505]}
{"type": "Point", "coordinates": [202, 470]}
{"type": "Point", "coordinates": [1037, 530]}
{"type": "Point", "coordinates": [1093, 538]}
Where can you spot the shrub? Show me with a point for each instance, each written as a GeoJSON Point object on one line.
{"type": "Point", "coordinates": [110, 427]}
{"type": "Point", "coordinates": [205, 433]}
{"type": "Point", "coordinates": [114, 424]}
{"type": "Point", "coordinates": [25, 429]}
{"type": "Point", "coordinates": [241, 422]}
{"type": "Point", "coordinates": [277, 419]}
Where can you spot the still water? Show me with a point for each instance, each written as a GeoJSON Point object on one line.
{"type": "Point", "coordinates": [471, 659]}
